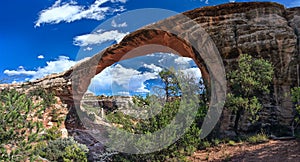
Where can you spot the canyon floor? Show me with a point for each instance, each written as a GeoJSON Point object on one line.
{"type": "Point", "coordinates": [271, 151]}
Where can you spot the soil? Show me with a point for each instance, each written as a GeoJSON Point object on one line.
{"type": "Point", "coordinates": [271, 151]}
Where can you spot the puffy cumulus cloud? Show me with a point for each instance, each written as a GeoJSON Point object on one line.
{"type": "Point", "coordinates": [61, 64]}
{"type": "Point", "coordinates": [98, 38]}
{"type": "Point", "coordinates": [72, 11]}
{"type": "Point", "coordinates": [193, 72]}
{"type": "Point", "coordinates": [116, 25]}
{"type": "Point", "coordinates": [20, 71]}
{"type": "Point", "coordinates": [88, 49]}
{"type": "Point", "coordinates": [183, 60]}
{"type": "Point", "coordinates": [155, 68]}
{"type": "Point", "coordinates": [117, 79]}
{"type": "Point", "coordinates": [40, 57]}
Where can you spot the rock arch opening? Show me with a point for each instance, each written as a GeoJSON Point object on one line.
{"type": "Point", "coordinates": [119, 85]}
{"type": "Point", "coordinates": [195, 44]}
{"type": "Point", "coordinates": [139, 43]}
{"type": "Point", "coordinates": [139, 75]}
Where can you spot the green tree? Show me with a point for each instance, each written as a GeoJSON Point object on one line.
{"type": "Point", "coordinates": [175, 85]}
{"type": "Point", "coordinates": [295, 94]}
{"type": "Point", "coordinates": [248, 83]}
{"type": "Point", "coordinates": [170, 83]}
{"type": "Point", "coordinates": [18, 132]}
{"type": "Point", "coordinates": [64, 149]}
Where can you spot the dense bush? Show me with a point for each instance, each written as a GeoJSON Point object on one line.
{"type": "Point", "coordinates": [295, 94]}
{"type": "Point", "coordinates": [64, 149]}
{"type": "Point", "coordinates": [18, 132]}
{"type": "Point", "coordinates": [248, 83]}
{"type": "Point", "coordinates": [173, 105]}
{"type": "Point", "coordinates": [48, 98]}
{"type": "Point", "coordinates": [52, 134]}
{"type": "Point", "coordinates": [258, 138]}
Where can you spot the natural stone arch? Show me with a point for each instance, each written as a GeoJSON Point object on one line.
{"type": "Point", "coordinates": [139, 43]}
{"type": "Point", "coordinates": [186, 39]}
{"type": "Point", "coordinates": [261, 29]}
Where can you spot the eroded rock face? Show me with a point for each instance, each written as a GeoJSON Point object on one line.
{"type": "Point", "coordinates": [263, 30]}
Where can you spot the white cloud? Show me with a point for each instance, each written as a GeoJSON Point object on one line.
{"type": "Point", "coordinates": [61, 64]}
{"type": "Point", "coordinates": [116, 25]}
{"type": "Point", "coordinates": [19, 72]}
{"type": "Point", "coordinates": [122, 75]}
{"type": "Point", "coordinates": [88, 49]}
{"type": "Point", "coordinates": [98, 38]}
{"type": "Point", "coordinates": [120, 79]}
{"type": "Point", "coordinates": [153, 67]}
{"type": "Point", "coordinates": [206, 1]}
{"type": "Point", "coordinates": [71, 11]}
{"type": "Point", "coordinates": [40, 57]}
{"type": "Point", "coordinates": [123, 93]}
{"type": "Point", "coordinates": [195, 72]}
{"type": "Point", "coordinates": [182, 60]}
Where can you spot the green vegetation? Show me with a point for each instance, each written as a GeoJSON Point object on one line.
{"type": "Point", "coordinates": [231, 143]}
{"type": "Point", "coordinates": [18, 132]}
{"type": "Point", "coordinates": [258, 138]}
{"type": "Point", "coordinates": [295, 94]}
{"type": "Point", "coordinates": [52, 134]}
{"type": "Point", "coordinates": [64, 149]}
{"type": "Point", "coordinates": [185, 145]}
{"type": "Point", "coordinates": [48, 99]}
{"type": "Point", "coordinates": [174, 104]}
{"type": "Point", "coordinates": [171, 85]}
{"type": "Point", "coordinates": [21, 129]}
{"type": "Point", "coordinates": [248, 83]}
{"type": "Point", "coordinates": [21, 137]}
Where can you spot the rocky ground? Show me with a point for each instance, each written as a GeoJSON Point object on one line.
{"type": "Point", "coordinates": [272, 151]}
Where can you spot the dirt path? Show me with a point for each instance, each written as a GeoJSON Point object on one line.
{"type": "Point", "coordinates": [272, 151]}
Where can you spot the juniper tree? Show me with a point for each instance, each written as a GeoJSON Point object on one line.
{"type": "Point", "coordinates": [248, 83]}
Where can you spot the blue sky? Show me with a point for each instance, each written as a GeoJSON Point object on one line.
{"type": "Point", "coordinates": [39, 37]}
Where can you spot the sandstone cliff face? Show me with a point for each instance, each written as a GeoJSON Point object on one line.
{"type": "Point", "coordinates": [266, 30]}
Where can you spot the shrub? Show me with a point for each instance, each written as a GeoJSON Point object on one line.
{"type": "Point", "coordinates": [48, 97]}
{"type": "Point", "coordinates": [64, 149]}
{"type": "Point", "coordinates": [18, 132]}
{"type": "Point", "coordinates": [185, 145]}
{"type": "Point", "coordinates": [75, 153]}
{"type": "Point", "coordinates": [295, 94]}
{"type": "Point", "coordinates": [248, 83]}
{"type": "Point", "coordinates": [206, 144]}
{"type": "Point", "coordinates": [216, 141]}
{"type": "Point", "coordinates": [231, 143]}
{"type": "Point", "coordinates": [258, 138]}
{"type": "Point", "coordinates": [53, 133]}
{"type": "Point", "coordinates": [179, 139]}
